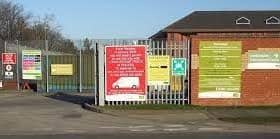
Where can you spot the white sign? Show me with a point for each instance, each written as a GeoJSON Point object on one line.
{"type": "Point", "coordinates": [264, 60]}
{"type": "Point", "coordinates": [9, 75]}
{"type": "Point", "coordinates": [9, 68]}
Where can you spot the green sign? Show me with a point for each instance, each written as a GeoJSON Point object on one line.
{"type": "Point", "coordinates": [179, 66]}
{"type": "Point", "coordinates": [263, 60]}
{"type": "Point", "coordinates": [219, 69]}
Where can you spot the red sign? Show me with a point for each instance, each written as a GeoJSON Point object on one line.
{"type": "Point", "coordinates": [125, 73]}
{"type": "Point", "coordinates": [9, 58]}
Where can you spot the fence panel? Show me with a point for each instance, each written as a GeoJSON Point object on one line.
{"type": "Point", "coordinates": [81, 58]}
{"type": "Point", "coordinates": [176, 91]}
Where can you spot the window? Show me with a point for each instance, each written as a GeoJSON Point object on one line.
{"type": "Point", "coordinates": [243, 20]}
{"type": "Point", "coordinates": [272, 20]}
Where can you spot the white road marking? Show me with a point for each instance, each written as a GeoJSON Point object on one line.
{"type": "Point", "coordinates": [111, 127]}
{"type": "Point", "coordinates": [173, 126]}
{"type": "Point", "coordinates": [141, 126]}
{"type": "Point", "coordinates": [209, 129]}
{"type": "Point", "coordinates": [175, 129]}
{"type": "Point", "coordinates": [143, 130]}
{"type": "Point", "coordinates": [136, 130]}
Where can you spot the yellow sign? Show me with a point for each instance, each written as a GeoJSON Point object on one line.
{"type": "Point", "coordinates": [61, 69]}
{"type": "Point", "coordinates": [158, 70]}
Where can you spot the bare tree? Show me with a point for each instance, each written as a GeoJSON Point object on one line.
{"type": "Point", "coordinates": [13, 20]}
{"type": "Point", "coordinates": [16, 24]}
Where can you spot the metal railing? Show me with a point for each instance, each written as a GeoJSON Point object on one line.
{"type": "Point", "coordinates": [177, 92]}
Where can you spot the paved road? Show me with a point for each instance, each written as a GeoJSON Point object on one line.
{"type": "Point", "coordinates": [151, 136]}
{"type": "Point", "coordinates": [39, 115]}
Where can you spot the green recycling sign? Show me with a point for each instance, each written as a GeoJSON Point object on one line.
{"type": "Point", "coordinates": [179, 66]}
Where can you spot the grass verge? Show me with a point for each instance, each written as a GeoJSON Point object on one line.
{"type": "Point", "coordinates": [153, 107]}
{"type": "Point", "coordinates": [185, 107]}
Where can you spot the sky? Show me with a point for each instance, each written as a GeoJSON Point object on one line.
{"type": "Point", "coordinates": [130, 19]}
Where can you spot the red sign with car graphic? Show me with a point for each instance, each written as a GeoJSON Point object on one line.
{"type": "Point", "coordinates": [125, 71]}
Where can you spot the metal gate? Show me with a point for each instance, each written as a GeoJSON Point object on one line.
{"type": "Point", "coordinates": [177, 92]}
{"type": "Point", "coordinates": [80, 55]}
{"type": "Point", "coordinates": [87, 61]}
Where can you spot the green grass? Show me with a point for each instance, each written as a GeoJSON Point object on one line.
{"type": "Point", "coordinates": [153, 107]}
{"type": "Point", "coordinates": [183, 107]}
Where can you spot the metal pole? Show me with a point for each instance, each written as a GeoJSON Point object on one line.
{"type": "Point", "coordinates": [101, 88]}
{"type": "Point", "coordinates": [184, 49]}
{"type": "Point", "coordinates": [17, 65]}
{"type": "Point", "coordinates": [80, 88]}
{"type": "Point", "coordinates": [5, 44]}
{"type": "Point", "coordinates": [189, 70]}
{"type": "Point", "coordinates": [5, 47]}
{"type": "Point", "coordinates": [95, 73]}
{"type": "Point", "coordinates": [47, 60]}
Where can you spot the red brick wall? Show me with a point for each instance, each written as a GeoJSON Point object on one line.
{"type": "Point", "coordinates": [258, 87]}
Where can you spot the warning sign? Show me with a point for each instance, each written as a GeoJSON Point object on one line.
{"type": "Point", "coordinates": [9, 58]}
{"type": "Point", "coordinates": [125, 73]}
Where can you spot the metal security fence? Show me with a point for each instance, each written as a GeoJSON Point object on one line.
{"type": "Point", "coordinates": [176, 92]}
{"type": "Point", "coordinates": [80, 55]}
{"type": "Point", "coordinates": [78, 66]}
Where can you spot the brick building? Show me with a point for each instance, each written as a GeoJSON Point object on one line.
{"type": "Point", "coordinates": [234, 56]}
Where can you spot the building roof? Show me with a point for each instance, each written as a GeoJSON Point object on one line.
{"type": "Point", "coordinates": [227, 21]}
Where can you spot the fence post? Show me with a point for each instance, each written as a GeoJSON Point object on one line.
{"type": "Point", "coordinates": [5, 46]}
{"type": "Point", "coordinates": [2, 66]}
{"type": "Point", "coordinates": [95, 73]}
{"type": "Point", "coordinates": [47, 65]}
{"type": "Point", "coordinates": [189, 69]}
{"type": "Point", "coordinates": [17, 60]}
{"type": "Point", "coordinates": [80, 67]}
{"type": "Point", "coordinates": [101, 86]}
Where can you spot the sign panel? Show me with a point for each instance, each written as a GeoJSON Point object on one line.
{"type": "Point", "coordinates": [179, 66]}
{"type": "Point", "coordinates": [9, 58]}
{"type": "Point", "coordinates": [9, 72]}
{"type": "Point", "coordinates": [158, 70]}
{"type": "Point", "coordinates": [9, 75]}
{"type": "Point", "coordinates": [31, 65]}
{"type": "Point", "coordinates": [264, 60]}
{"type": "Point", "coordinates": [61, 69]}
{"type": "Point", "coordinates": [125, 71]}
{"type": "Point", "coordinates": [219, 69]}
{"type": "Point", "coordinates": [8, 67]}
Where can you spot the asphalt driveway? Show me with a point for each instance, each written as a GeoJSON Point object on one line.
{"type": "Point", "coordinates": [44, 115]}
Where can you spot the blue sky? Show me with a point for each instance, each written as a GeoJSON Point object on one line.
{"type": "Point", "coordinates": [107, 19]}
